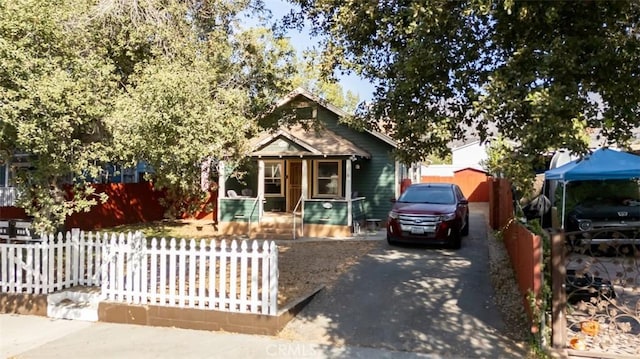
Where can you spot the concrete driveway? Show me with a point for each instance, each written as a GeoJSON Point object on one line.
{"type": "Point", "coordinates": [414, 299]}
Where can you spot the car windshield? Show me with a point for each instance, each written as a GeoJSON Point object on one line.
{"type": "Point", "coordinates": [424, 194]}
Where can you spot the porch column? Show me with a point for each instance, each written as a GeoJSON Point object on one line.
{"type": "Point", "coordinates": [260, 188]}
{"type": "Point", "coordinates": [347, 196]}
{"type": "Point", "coordinates": [305, 186]}
{"type": "Point", "coordinates": [221, 190]}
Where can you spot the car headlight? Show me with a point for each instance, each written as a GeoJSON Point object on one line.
{"type": "Point", "coordinates": [584, 224]}
{"type": "Point", "coordinates": [448, 217]}
{"type": "Point", "coordinates": [393, 215]}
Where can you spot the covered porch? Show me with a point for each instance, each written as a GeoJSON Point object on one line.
{"type": "Point", "coordinates": [294, 197]}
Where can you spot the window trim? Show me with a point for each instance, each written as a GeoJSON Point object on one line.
{"type": "Point", "coordinates": [282, 178]}
{"type": "Point", "coordinates": [316, 178]}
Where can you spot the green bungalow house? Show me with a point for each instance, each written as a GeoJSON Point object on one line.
{"type": "Point", "coordinates": [329, 182]}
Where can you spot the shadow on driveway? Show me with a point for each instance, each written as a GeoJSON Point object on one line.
{"type": "Point", "coordinates": [413, 299]}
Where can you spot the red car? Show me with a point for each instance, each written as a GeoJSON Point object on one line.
{"type": "Point", "coordinates": [429, 213]}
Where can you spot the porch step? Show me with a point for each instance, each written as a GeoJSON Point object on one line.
{"type": "Point", "coordinates": [280, 218]}
{"type": "Point", "coordinates": [274, 232]}
{"type": "Point", "coordinates": [76, 303]}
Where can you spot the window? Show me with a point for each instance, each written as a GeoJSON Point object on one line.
{"type": "Point", "coordinates": [3, 176]}
{"type": "Point", "coordinates": [273, 179]}
{"type": "Point", "coordinates": [428, 194]}
{"type": "Point", "coordinates": [328, 179]}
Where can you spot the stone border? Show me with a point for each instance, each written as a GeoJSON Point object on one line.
{"type": "Point", "coordinates": [154, 315]}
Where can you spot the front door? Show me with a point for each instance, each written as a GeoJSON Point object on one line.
{"type": "Point", "coordinates": [294, 184]}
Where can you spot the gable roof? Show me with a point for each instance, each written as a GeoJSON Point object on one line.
{"type": "Point", "coordinates": [471, 168]}
{"type": "Point", "coordinates": [306, 142]}
{"type": "Point", "coordinates": [324, 103]}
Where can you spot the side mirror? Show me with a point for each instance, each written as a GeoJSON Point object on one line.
{"type": "Point", "coordinates": [464, 201]}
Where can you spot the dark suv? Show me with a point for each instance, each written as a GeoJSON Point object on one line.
{"type": "Point", "coordinates": [604, 212]}
{"type": "Point", "coordinates": [429, 213]}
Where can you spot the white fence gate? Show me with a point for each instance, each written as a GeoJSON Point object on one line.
{"type": "Point", "coordinates": [205, 274]}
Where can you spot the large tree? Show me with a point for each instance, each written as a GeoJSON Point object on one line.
{"type": "Point", "coordinates": [85, 83]}
{"type": "Point", "coordinates": [54, 92]}
{"type": "Point", "coordinates": [537, 72]}
{"type": "Point", "coordinates": [309, 76]}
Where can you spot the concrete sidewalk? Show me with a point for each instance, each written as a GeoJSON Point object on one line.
{"type": "Point", "coordinates": [24, 336]}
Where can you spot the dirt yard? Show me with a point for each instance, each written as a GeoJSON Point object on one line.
{"type": "Point", "coordinates": [305, 265]}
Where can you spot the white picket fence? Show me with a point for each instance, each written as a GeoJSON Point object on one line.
{"type": "Point", "coordinates": [205, 274]}
{"type": "Point", "coordinates": [8, 196]}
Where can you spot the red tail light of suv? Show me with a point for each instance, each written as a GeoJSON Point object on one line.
{"type": "Point", "coordinates": [429, 213]}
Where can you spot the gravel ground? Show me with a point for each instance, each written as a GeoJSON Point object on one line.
{"type": "Point", "coordinates": [507, 296]}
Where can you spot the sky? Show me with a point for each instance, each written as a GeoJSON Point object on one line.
{"type": "Point", "coordinates": [303, 40]}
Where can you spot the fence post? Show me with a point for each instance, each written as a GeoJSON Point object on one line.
{"type": "Point", "coordinates": [273, 278]}
{"type": "Point", "coordinates": [493, 204]}
{"type": "Point", "coordinates": [496, 190]}
{"type": "Point", "coordinates": [559, 295]}
{"type": "Point", "coordinates": [105, 263]}
{"type": "Point", "coordinates": [75, 257]}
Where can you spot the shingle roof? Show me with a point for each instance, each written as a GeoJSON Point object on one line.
{"type": "Point", "coordinates": [310, 142]}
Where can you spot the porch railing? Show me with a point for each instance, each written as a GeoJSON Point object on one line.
{"type": "Point", "coordinates": [253, 211]}
{"type": "Point", "coordinates": [8, 196]}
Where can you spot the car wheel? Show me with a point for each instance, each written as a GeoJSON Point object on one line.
{"type": "Point", "coordinates": [456, 240]}
{"type": "Point", "coordinates": [390, 241]}
{"type": "Point", "coordinates": [465, 229]}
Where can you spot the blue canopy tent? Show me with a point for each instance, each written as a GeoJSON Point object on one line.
{"type": "Point", "coordinates": [602, 164]}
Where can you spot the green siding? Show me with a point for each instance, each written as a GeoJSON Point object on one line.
{"type": "Point", "coordinates": [315, 213]}
{"type": "Point", "coordinates": [283, 145]}
{"type": "Point", "coordinates": [238, 210]}
{"type": "Point", "coordinates": [375, 179]}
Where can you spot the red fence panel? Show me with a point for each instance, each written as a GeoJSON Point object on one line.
{"type": "Point", "coordinates": [525, 252]}
{"type": "Point", "coordinates": [12, 213]}
{"type": "Point", "coordinates": [524, 248]}
{"type": "Point", "coordinates": [473, 183]}
{"type": "Point", "coordinates": [128, 203]}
